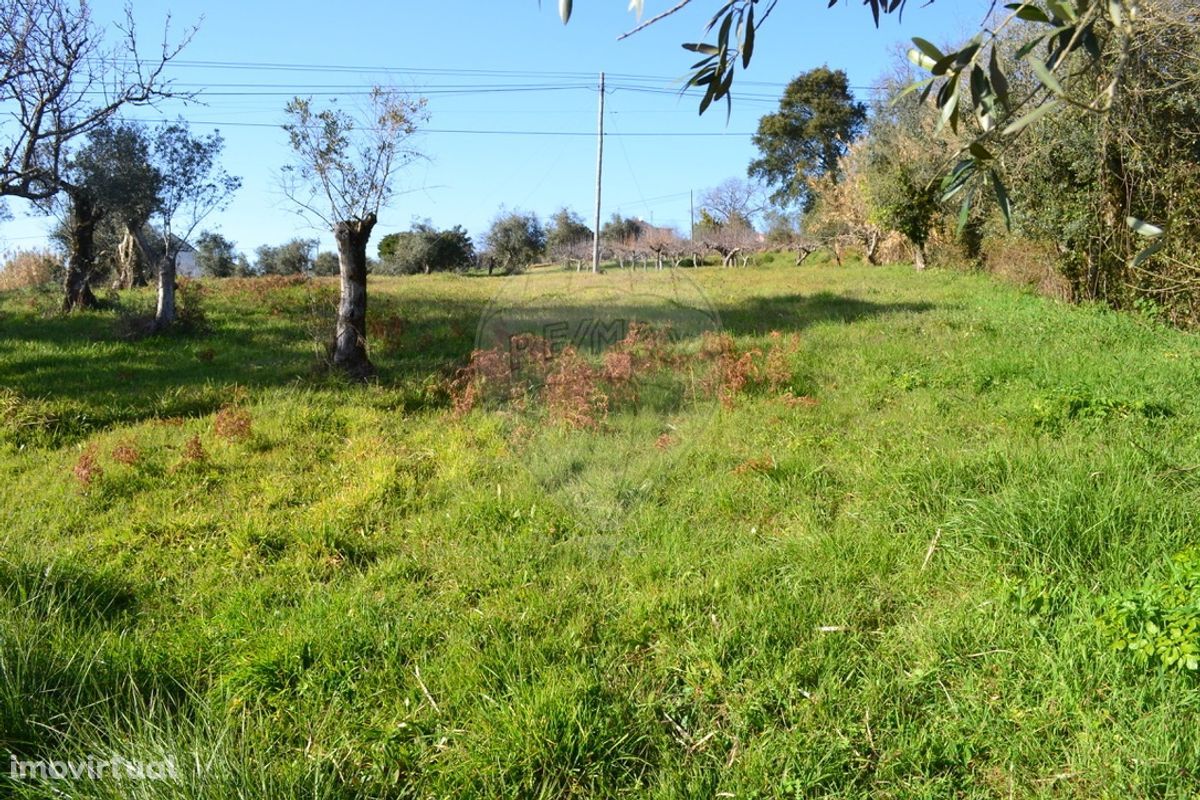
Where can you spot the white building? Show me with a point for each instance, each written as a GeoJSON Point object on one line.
{"type": "Point", "coordinates": [185, 264]}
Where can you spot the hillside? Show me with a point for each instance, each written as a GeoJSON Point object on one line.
{"type": "Point", "coordinates": [893, 561]}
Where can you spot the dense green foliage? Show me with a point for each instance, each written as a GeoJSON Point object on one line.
{"type": "Point", "coordinates": [619, 229]}
{"type": "Point", "coordinates": [425, 249]}
{"type": "Point", "coordinates": [1088, 190]}
{"type": "Point", "coordinates": [218, 257]}
{"type": "Point", "coordinates": [290, 258]}
{"type": "Point", "coordinates": [807, 137]}
{"type": "Point", "coordinates": [515, 241]}
{"type": "Point", "coordinates": [894, 576]}
{"type": "Point", "coordinates": [566, 228]}
{"type": "Point", "coordinates": [326, 263]}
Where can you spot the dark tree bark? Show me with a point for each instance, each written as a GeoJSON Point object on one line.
{"type": "Point", "coordinates": [81, 263]}
{"type": "Point", "coordinates": [350, 342]}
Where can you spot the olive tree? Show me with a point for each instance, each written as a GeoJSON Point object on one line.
{"type": "Point", "coordinates": [343, 174]}
{"type": "Point", "coordinates": [295, 257]}
{"type": "Point", "coordinates": [194, 186]}
{"type": "Point", "coordinates": [111, 177]}
{"type": "Point", "coordinates": [425, 249]}
{"type": "Point", "coordinates": [515, 240]}
{"type": "Point", "coordinates": [216, 256]}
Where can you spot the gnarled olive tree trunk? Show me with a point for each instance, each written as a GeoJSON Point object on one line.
{"type": "Point", "coordinates": [81, 262]}
{"type": "Point", "coordinates": [131, 259]}
{"type": "Point", "coordinates": [350, 340]}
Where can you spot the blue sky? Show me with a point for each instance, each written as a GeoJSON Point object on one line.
{"type": "Point", "coordinates": [509, 68]}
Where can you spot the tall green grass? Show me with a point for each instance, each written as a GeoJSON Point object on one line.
{"type": "Point", "coordinates": [896, 589]}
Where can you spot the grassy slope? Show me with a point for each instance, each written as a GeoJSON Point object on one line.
{"type": "Point", "coordinates": [369, 598]}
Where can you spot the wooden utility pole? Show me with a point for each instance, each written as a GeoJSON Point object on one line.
{"type": "Point", "coordinates": [599, 179]}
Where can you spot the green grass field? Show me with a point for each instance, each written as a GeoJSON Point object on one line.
{"type": "Point", "coordinates": [908, 585]}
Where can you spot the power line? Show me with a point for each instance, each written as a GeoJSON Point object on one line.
{"type": "Point", "coordinates": [484, 132]}
{"type": "Point", "coordinates": [445, 72]}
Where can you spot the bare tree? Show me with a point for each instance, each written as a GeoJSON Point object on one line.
{"type": "Point", "coordinates": [664, 243]}
{"type": "Point", "coordinates": [343, 174]}
{"type": "Point", "coordinates": [733, 237]}
{"type": "Point", "coordinates": [733, 200]}
{"type": "Point", "coordinates": [842, 216]}
{"type": "Point", "coordinates": [59, 81]}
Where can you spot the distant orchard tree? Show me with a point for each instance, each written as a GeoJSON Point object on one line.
{"type": "Point", "coordinates": [732, 236]}
{"type": "Point", "coordinates": [515, 241]}
{"type": "Point", "coordinates": [292, 258]}
{"type": "Point", "coordinates": [216, 256]}
{"type": "Point", "coordinates": [565, 227]}
{"type": "Point", "coordinates": [621, 229]}
{"type": "Point", "coordinates": [732, 201]}
{"type": "Point", "coordinates": [425, 249]}
{"type": "Point", "coordinates": [568, 238]}
{"type": "Point", "coordinates": [325, 264]}
{"type": "Point", "coordinates": [344, 173]}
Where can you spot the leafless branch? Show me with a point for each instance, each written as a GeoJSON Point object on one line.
{"type": "Point", "coordinates": [674, 9]}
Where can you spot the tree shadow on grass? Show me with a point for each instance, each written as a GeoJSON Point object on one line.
{"type": "Point", "coordinates": [794, 313]}
{"type": "Point", "coordinates": [78, 369]}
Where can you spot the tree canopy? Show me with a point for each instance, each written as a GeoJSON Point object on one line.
{"type": "Point", "coordinates": [975, 80]}
{"type": "Point", "coordinates": [216, 256]}
{"type": "Point", "coordinates": [294, 257]}
{"type": "Point", "coordinates": [425, 249]}
{"type": "Point", "coordinates": [61, 81]}
{"type": "Point", "coordinates": [516, 240]}
{"type": "Point", "coordinates": [345, 167]}
{"type": "Point", "coordinates": [806, 138]}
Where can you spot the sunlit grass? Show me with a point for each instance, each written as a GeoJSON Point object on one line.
{"type": "Point", "coordinates": [891, 589]}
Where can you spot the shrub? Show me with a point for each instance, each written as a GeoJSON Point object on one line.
{"type": "Point", "coordinates": [488, 373]}
{"type": "Point", "coordinates": [27, 269]}
{"type": "Point", "coordinates": [502, 375]}
{"type": "Point", "coordinates": [573, 392]}
{"type": "Point", "coordinates": [573, 389]}
{"type": "Point", "coordinates": [1026, 263]}
{"type": "Point", "coordinates": [127, 453]}
{"type": "Point", "coordinates": [87, 469]}
{"type": "Point", "coordinates": [232, 423]}
{"type": "Point", "coordinates": [193, 451]}
{"type": "Point", "coordinates": [1159, 624]}
{"type": "Point", "coordinates": [386, 331]}
{"type": "Point", "coordinates": [190, 309]}
{"type": "Point", "coordinates": [731, 371]}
